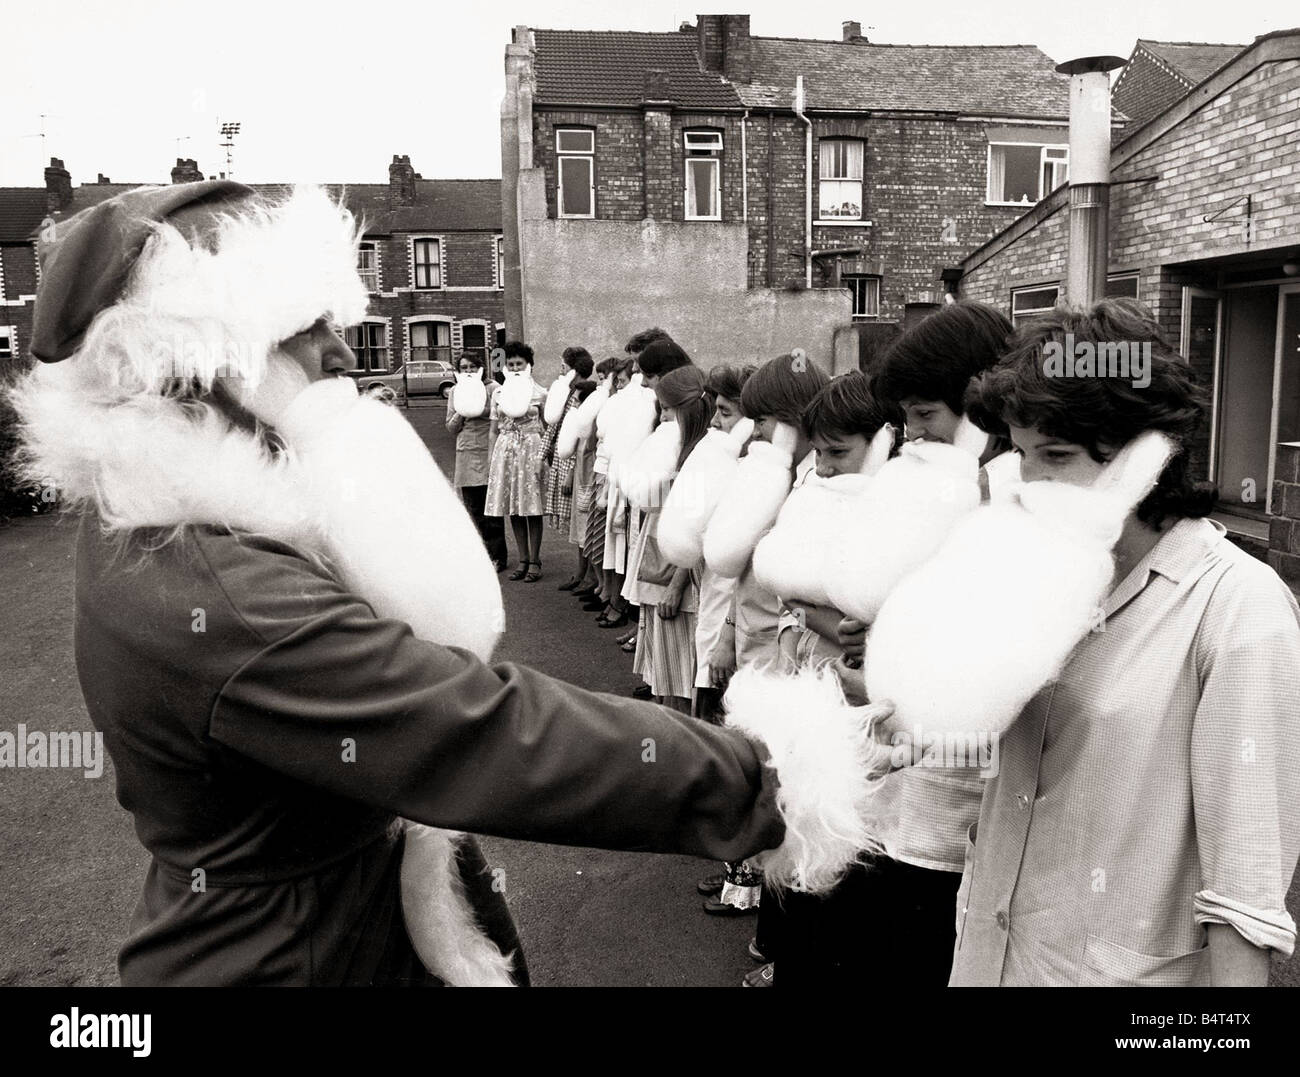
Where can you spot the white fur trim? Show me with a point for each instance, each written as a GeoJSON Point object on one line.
{"type": "Point", "coordinates": [276, 271]}
{"type": "Point", "coordinates": [965, 642]}
{"type": "Point", "coordinates": [829, 768]}
{"type": "Point", "coordinates": [590, 408]}
{"type": "Point", "coordinates": [747, 509]}
{"type": "Point", "coordinates": [439, 919]}
{"type": "Point", "coordinates": [899, 521]}
{"type": "Point", "coordinates": [704, 478]}
{"type": "Point", "coordinates": [633, 420]}
{"type": "Point", "coordinates": [647, 475]}
{"type": "Point", "coordinates": [556, 397]}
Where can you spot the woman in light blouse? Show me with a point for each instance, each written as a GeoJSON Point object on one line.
{"type": "Point", "coordinates": [1144, 824]}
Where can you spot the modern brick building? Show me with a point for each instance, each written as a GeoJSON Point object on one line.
{"type": "Point", "coordinates": [1158, 73]}
{"type": "Point", "coordinates": [753, 194]}
{"type": "Point", "coordinates": [431, 254]}
{"type": "Point", "coordinates": [1205, 229]}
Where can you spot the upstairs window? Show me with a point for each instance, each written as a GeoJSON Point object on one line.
{"type": "Point", "coordinates": [575, 148]}
{"type": "Point", "coordinates": [840, 167]}
{"type": "Point", "coordinates": [474, 341]}
{"type": "Point", "coordinates": [1022, 173]}
{"type": "Point", "coordinates": [501, 261]}
{"type": "Point", "coordinates": [369, 343]}
{"type": "Point", "coordinates": [368, 266]}
{"type": "Point", "coordinates": [7, 346]}
{"type": "Point", "coordinates": [703, 153]}
{"type": "Point", "coordinates": [426, 262]}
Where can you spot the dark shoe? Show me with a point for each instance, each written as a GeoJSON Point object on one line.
{"type": "Point", "coordinates": [759, 977]}
{"type": "Point", "coordinates": [710, 885]}
{"type": "Point", "coordinates": [628, 646]}
{"type": "Point", "coordinates": [520, 572]}
{"type": "Point", "coordinates": [535, 574]}
{"type": "Point", "coordinates": [587, 592]}
{"type": "Point", "coordinates": [755, 952]}
{"type": "Point", "coordinates": [593, 606]}
{"type": "Point", "coordinates": [630, 634]}
{"type": "Point", "coordinates": [500, 566]}
{"type": "Point", "coordinates": [724, 908]}
{"type": "Point", "coordinates": [617, 622]}
{"type": "Point", "coordinates": [642, 691]}
{"type": "Point", "coordinates": [569, 584]}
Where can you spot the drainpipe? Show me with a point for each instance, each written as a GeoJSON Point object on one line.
{"type": "Point", "coordinates": [744, 171]}
{"type": "Point", "coordinates": [807, 170]}
{"type": "Point", "coordinates": [1089, 255]}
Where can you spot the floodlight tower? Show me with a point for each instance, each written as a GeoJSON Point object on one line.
{"type": "Point", "coordinates": [228, 132]}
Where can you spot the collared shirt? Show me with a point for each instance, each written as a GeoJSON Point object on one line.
{"type": "Point", "coordinates": [1153, 789]}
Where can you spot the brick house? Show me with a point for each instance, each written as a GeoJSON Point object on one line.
{"type": "Point", "coordinates": [1158, 73]}
{"type": "Point", "coordinates": [431, 253]}
{"type": "Point", "coordinates": [752, 194]}
{"type": "Point", "coordinates": [1204, 229]}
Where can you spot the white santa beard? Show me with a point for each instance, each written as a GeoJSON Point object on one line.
{"type": "Point", "coordinates": [390, 518]}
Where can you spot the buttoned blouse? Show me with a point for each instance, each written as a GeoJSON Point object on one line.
{"type": "Point", "coordinates": [1152, 790]}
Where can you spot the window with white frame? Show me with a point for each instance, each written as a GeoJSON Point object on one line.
{"type": "Point", "coordinates": [840, 179]}
{"type": "Point", "coordinates": [1027, 303]}
{"type": "Point", "coordinates": [8, 342]}
{"type": "Point", "coordinates": [1122, 284]}
{"type": "Point", "coordinates": [703, 164]}
{"type": "Point", "coordinates": [866, 294]}
{"type": "Point", "coordinates": [369, 343]}
{"type": "Point", "coordinates": [430, 340]}
{"type": "Point", "coordinates": [1021, 173]}
{"type": "Point", "coordinates": [575, 148]}
{"type": "Point", "coordinates": [368, 266]}
{"type": "Point", "coordinates": [426, 262]}
{"type": "Point", "coordinates": [501, 261]}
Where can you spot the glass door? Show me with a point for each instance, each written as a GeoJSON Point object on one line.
{"type": "Point", "coordinates": [1199, 345]}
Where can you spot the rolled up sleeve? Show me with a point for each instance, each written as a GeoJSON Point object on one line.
{"type": "Point", "coordinates": [1246, 763]}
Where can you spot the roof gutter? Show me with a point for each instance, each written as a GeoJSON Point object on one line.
{"type": "Point", "coordinates": [807, 243]}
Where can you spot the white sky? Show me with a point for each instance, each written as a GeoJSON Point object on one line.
{"type": "Point", "coordinates": [329, 91]}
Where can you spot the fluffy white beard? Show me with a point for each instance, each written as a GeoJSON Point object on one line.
{"type": "Point", "coordinates": [392, 524]}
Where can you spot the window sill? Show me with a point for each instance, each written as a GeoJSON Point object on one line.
{"type": "Point", "coordinates": [575, 216]}
{"type": "Point", "coordinates": [841, 223]}
{"type": "Point", "coordinates": [1011, 205]}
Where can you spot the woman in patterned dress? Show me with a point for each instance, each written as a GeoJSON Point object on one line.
{"type": "Point", "coordinates": [517, 477]}
{"type": "Point", "coordinates": [559, 483]}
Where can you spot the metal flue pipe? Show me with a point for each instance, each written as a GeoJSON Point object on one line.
{"type": "Point", "coordinates": [1089, 254]}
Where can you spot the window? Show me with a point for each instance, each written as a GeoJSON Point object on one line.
{"type": "Point", "coordinates": [1022, 173]}
{"type": "Point", "coordinates": [8, 346]}
{"type": "Point", "coordinates": [474, 341]}
{"type": "Point", "coordinates": [576, 186]}
{"type": "Point", "coordinates": [1122, 285]}
{"type": "Point", "coordinates": [501, 261]}
{"type": "Point", "coordinates": [703, 164]}
{"type": "Point", "coordinates": [426, 262]}
{"type": "Point", "coordinates": [840, 167]}
{"type": "Point", "coordinates": [866, 294]}
{"type": "Point", "coordinates": [369, 343]}
{"type": "Point", "coordinates": [1027, 303]}
{"type": "Point", "coordinates": [430, 340]}
{"type": "Point", "coordinates": [368, 266]}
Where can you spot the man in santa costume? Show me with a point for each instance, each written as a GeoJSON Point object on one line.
{"type": "Point", "coordinates": [290, 708]}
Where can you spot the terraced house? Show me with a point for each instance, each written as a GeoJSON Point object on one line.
{"type": "Point", "coordinates": [431, 256]}
{"type": "Point", "coordinates": [753, 194]}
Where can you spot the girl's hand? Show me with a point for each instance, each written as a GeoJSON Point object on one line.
{"type": "Point", "coordinates": [670, 603]}
{"type": "Point", "coordinates": [567, 488]}
{"type": "Point", "coordinates": [722, 662]}
{"type": "Point", "coordinates": [851, 635]}
{"type": "Point", "coordinates": [602, 499]}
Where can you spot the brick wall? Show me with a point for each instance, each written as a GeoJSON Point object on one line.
{"type": "Point", "coordinates": [1146, 88]}
{"type": "Point", "coordinates": [18, 262]}
{"type": "Point", "coordinates": [1284, 527]}
{"type": "Point", "coordinates": [924, 188]}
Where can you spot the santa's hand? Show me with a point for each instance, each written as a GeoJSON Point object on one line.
{"type": "Point", "coordinates": [281, 383]}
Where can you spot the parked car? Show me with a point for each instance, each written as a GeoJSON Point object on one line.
{"type": "Point", "coordinates": [431, 377]}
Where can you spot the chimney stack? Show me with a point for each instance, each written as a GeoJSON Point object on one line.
{"type": "Point", "coordinates": [103, 179]}
{"type": "Point", "coordinates": [186, 171]}
{"type": "Point", "coordinates": [656, 87]}
{"type": "Point", "coordinates": [401, 182]}
{"type": "Point", "coordinates": [58, 186]}
{"type": "Point", "coordinates": [1089, 255]}
{"type": "Point", "coordinates": [852, 31]}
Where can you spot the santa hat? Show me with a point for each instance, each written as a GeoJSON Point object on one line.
{"type": "Point", "coordinates": [194, 280]}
